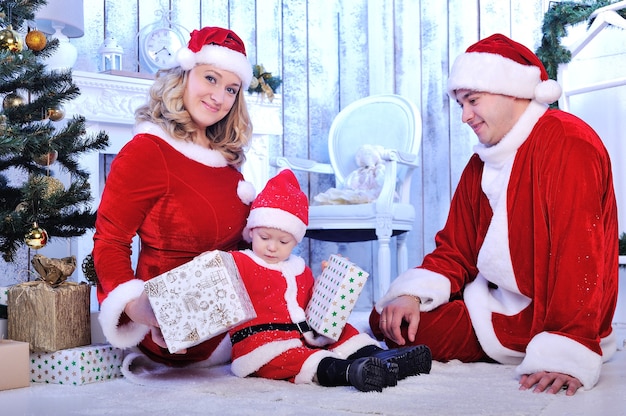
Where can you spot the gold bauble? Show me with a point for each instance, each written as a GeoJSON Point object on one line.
{"type": "Point", "coordinates": [36, 40]}
{"type": "Point", "coordinates": [46, 159]}
{"type": "Point", "coordinates": [50, 186]}
{"type": "Point", "coordinates": [12, 100]}
{"type": "Point", "coordinates": [36, 237]}
{"type": "Point", "coordinates": [10, 40]}
{"type": "Point", "coordinates": [56, 113]}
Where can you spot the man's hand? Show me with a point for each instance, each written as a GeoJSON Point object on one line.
{"type": "Point", "coordinates": [401, 309]}
{"type": "Point", "coordinates": [550, 383]}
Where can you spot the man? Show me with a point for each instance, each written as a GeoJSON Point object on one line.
{"type": "Point", "coordinates": [525, 269]}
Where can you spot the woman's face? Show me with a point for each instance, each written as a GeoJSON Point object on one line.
{"type": "Point", "coordinates": [210, 94]}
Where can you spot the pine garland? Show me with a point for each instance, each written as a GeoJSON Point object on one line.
{"type": "Point", "coordinates": [555, 21]}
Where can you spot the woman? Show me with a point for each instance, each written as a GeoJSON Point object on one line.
{"type": "Point", "coordinates": [176, 185]}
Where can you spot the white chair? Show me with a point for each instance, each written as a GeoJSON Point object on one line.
{"type": "Point", "coordinates": [394, 123]}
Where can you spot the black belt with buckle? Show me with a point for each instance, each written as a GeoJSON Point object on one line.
{"type": "Point", "coordinates": [254, 329]}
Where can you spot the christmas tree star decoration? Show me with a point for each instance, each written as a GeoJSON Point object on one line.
{"type": "Point", "coordinates": [38, 141]}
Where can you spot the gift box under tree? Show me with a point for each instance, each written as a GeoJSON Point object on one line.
{"type": "Point", "coordinates": [4, 293]}
{"type": "Point", "coordinates": [199, 300]}
{"type": "Point", "coordinates": [50, 314]}
{"type": "Point", "coordinates": [13, 365]}
{"type": "Point", "coordinates": [334, 296]}
{"type": "Point", "coordinates": [4, 298]}
{"type": "Point", "coordinates": [77, 366]}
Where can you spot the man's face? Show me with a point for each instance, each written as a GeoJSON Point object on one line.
{"type": "Point", "coordinates": [491, 116]}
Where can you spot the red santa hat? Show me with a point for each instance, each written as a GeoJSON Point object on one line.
{"type": "Point", "coordinates": [500, 65]}
{"type": "Point", "coordinates": [281, 205]}
{"type": "Point", "coordinates": [217, 46]}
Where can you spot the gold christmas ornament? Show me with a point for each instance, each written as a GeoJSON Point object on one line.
{"type": "Point", "coordinates": [36, 237]}
{"type": "Point", "coordinates": [12, 100]}
{"type": "Point", "coordinates": [49, 184]}
{"type": "Point", "coordinates": [36, 40]}
{"type": "Point", "coordinates": [10, 40]}
{"type": "Point", "coordinates": [56, 113]}
{"type": "Point", "coordinates": [46, 159]}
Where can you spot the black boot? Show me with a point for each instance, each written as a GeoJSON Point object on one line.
{"type": "Point", "coordinates": [411, 361]}
{"type": "Point", "coordinates": [366, 351]}
{"type": "Point", "coordinates": [365, 374]}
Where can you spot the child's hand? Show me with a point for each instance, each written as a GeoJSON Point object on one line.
{"type": "Point", "coordinates": [325, 262]}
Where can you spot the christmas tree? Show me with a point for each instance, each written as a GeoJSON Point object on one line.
{"type": "Point", "coordinates": [37, 140]}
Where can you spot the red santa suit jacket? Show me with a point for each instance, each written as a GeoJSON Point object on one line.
{"type": "Point", "coordinates": [279, 294]}
{"type": "Point", "coordinates": [182, 200]}
{"type": "Point", "coordinates": [531, 243]}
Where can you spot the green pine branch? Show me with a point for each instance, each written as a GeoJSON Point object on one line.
{"type": "Point", "coordinates": [559, 16]}
{"type": "Point", "coordinates": [27, 136]}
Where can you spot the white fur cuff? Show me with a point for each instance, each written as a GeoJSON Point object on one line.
{"type": "Point", "coordinates": [112, 308]}
{"type": "Point", "coordinates": [557, 353]}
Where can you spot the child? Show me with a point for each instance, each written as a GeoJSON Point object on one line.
{"type": "Point", "coordinates": [278, 343]}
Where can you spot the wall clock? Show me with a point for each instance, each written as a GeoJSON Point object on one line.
{"type": "Point", "coordinates": [158, 44]}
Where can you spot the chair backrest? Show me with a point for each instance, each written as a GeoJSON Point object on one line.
{"type": "Point", "coordinates": [387, 120]}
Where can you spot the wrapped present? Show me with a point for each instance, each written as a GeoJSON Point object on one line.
{"type": "Point", "coordinates": [4, 300]}
{"type": "Point", "coordinates": [334, 296]}
{"type": "Point", "coordinates": [13, 364]}
{"type": "Point", "coordinates": [77, 366]}
{"type": "Point", "coordinates": [4, 331]}
{"type": "Point", "coordinates": [50, 318]}
{"type": "Point", "coordinates": [199, 300]}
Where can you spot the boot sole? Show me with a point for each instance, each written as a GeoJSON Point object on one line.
{"type": "Point", "coordinates": [372, 374]}
{"type": "Point", "coordinates": [411, 361]}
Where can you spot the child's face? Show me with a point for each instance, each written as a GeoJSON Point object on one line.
{"type": "Point", "coordinates": [271, 244]}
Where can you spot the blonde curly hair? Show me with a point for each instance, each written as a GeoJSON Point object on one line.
{"type": "Point", "coordinates": [230, 136]}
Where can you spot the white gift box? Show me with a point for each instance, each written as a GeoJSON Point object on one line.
{"type": "Point", "coordinates": [199, 300]}
{"type": "Point", "coordinates": [77, 366]}
{"type": "Point", "coordinates": [334, 296]}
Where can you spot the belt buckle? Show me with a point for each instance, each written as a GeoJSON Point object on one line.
{"type": "Point", "coordinates": [303, 327]}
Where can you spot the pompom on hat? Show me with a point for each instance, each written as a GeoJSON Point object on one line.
{"type": "Point", "coordinates": [281, 205]}
{"type": "Point", "coordinates": [500, 65]}
{"type": "Point", "coordinates": [217, 46]}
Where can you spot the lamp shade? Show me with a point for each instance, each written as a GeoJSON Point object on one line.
{"type": "Point", "coordinates": [66, 13]}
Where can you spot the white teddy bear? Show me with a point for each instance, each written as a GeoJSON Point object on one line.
{"type": "Point", "coordinates": [362, 185]}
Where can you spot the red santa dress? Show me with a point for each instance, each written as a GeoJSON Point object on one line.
{"type": "Point", "coordinates": [529, 251]}
{"type": "Point", "coordinates": [182, 200]}
{"type": "Point", "coordinates": [279, 294]}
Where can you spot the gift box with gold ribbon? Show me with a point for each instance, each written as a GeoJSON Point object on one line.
{"type": "Point", "coordinates": [50, 314]}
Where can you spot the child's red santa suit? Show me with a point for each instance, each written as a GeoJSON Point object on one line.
{"type": "Point", "coordinates": [271, 345]}
{"type": "Point", "coordinates": [530, 245]}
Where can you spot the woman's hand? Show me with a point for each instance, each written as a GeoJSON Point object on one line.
{"type": "Point", "coordinates": [140, 311]}
{"type": "Point", "coordinates": [401, 309]}
{"type": "Point", "coordinates": [550, 382]}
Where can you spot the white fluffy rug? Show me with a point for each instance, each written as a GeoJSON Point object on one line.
{"type": "Point", "coordinates": [451, 389]}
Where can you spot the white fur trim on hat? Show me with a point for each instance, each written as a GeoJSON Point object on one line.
{"type": "Point", "coordinates": [219, 56]}
{"type": "Point", "coordinates": [496, 74]}
{"type": "Point", "coordinates": [274, 218]}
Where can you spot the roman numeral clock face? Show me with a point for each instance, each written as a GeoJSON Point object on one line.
{"type": "Point", "coordinates": [159, 47]}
